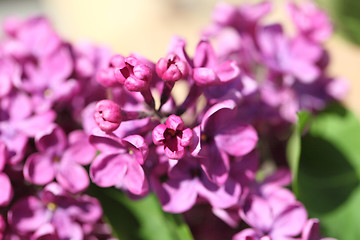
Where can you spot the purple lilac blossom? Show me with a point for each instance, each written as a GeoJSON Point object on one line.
{"type": "Point", "coordinates": [56, 159]}
{"type": "Point", "coordinates": [174, 136]}
{"type": "Point", "coordinates": [255, 79]}
{"type": "Point", "coordinates": [54, 213]}
{"type": "Point", "coordinates": [119, 162]}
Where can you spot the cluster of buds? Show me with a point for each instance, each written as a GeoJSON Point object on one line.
{"type": "Point", "coordinates": [68, 108]}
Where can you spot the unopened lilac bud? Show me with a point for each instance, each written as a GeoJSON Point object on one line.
{"type": "Point", "coordinates": [107, 115]}
{"type": "Point", "coordinates": [171, 68]}
{"type": "Point", "coordinates": [135, 75]}
{"type": "Point", "coordinates": [140, 80]}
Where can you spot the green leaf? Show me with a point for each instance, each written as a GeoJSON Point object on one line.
{"type": "Point", "coordinates": [345, 14]}
{"type": "Point", "coordinates": [293, 148]}
{"type": "Point", "coordinates": [329, 172]}
{"type": "Point", "coordinates": [140, 219]}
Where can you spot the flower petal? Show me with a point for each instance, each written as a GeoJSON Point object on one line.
{"type": "Point", "coordinates": [236, 139]}
{"type": "Point", "coordinates": [39, 169]}
{"type": "Point", "coordinates": [108, 169]}
{"type": "Point", "coordinates": [5, 189]}
{"type": "Point", "coordinates": [72, 177]}
{"type": "Point", "coordinates": [27, 215]}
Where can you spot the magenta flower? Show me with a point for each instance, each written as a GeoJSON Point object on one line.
{"type": "Point", "coordinates": [243, 18]}
{"type": "Point", "coordinates": [107, 115]}
{"type": "Point", "coordinates": [269, 224]}
{"type": "Point", "coordinates": [219, 136]}
{"type": "Point", "coordinates": [54, 214]}
{"type": "Point", "coordinates": [310, 21]}
{"type": "Point", "coordinates": [173, 136]}
{"type": "Point", "coordinates": [208, 71]}
{"type": "Point", "coordinates": [180, 188]}
{"type": "Point", "coordinates": [119, 162]}
{"type": "Point", "coordinates": [171, 68]}
{"type": "Point", "coordinates": [6, 188]}
{"type": "Point", "coordinates": [17, 126]}
{"type": "Point", "coordinates": [57, 159]}
{"type": "Point", "coordinates": [280, 55]}
{"type": "Point", "coordinates": [311, 231]}
{"type": "Point", "coordinates": [135, 75]}
{"type": "Point", "coordinates": [106, 76]}
{"type": "Point", "coordinates": [10, 73]}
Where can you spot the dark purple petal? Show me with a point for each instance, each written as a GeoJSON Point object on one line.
{"type": "Point", "coordinates": [216, 165]}
{"type": "Point", "coordinates": [52, 141]}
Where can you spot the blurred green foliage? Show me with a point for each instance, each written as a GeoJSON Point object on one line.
{"type": "Point", "coordinates": [141, 219]}
{"type": "Point", "coordinates": [346, 17]}
{"type": "Point", "coordinates": [328, 171]}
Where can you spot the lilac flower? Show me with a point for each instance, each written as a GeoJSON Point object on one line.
{"type": "Point", "coordinates": [16, 126]}
{"type": "Point", "coordinates": [242, 18]}
{"type": "Point", "coordinates": [107, 115]}
{"type": "Point", "coordinates": [35, 34]}
{"type": "Point", "coordinates": [174, 136]}
{"type": "Point", "coordinates": [311, 21]}
{"type": "Point", "coordinates": [208, 71]}
{"type": "Point", "coordinates": [179, 189]}
{"type": "Point", "coordinates": [135, 75]}
{"type": "Point", "coordinates": [56, 160]}
{"type": "Point", "coordinates": [54, 214]}
{"type": "Point", "coordinates": [259, 214]}
{"type": "Point", "coordinates": [311, 231]}
{"type": "Point", "coordinates": [171, 68]}
{"type": "Point", "coordinates": [220, 135]}
{"type": "Point", "coordinates": [280, 56]}
{"type": "Point", "coordinates": [6, 188]}
{"type": "Point", "coordinates": [106, 76]}
{"type": "Point", "coordinates": [119, 162]}
{"type": "Point", "coordinates": [10, 73]}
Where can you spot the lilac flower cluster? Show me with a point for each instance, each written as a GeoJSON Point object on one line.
{"type": "Point", "coordinates": [45, 84]}
{"type": "Point", "coordinates": [64, 107]}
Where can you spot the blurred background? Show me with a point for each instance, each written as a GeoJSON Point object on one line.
{"type": "Point", "coordinates": [146, 27]}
